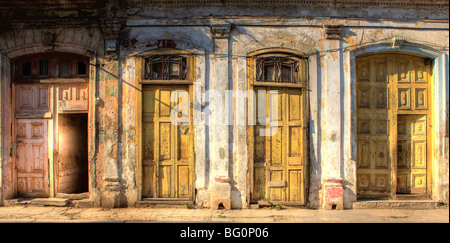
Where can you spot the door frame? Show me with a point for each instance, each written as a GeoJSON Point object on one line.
{"type": "Point", "coordinates": [139, 85]}
{"type": "Point", "coordinates": [56, 148]}
{"type": "Point", "coordinates": [414, 49]}
{"type": "Point", "coordinates": [52, 114]}
{"type": "Point", "coordinates": [8, 58]}
{"type": "Point", "coordinates": [251, 84]}
{"type": "Point", "coordinates": [56, 113]}
{"type": "Point", "coordinates": [52, 134]}
{"type": "Point", "coordinates": [393, 114]}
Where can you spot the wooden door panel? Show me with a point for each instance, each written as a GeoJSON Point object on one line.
{"type": "Point", "coordinates": [295, 111]}
{"type": "Point", "coordinates": [183, 181]}
{"type": "Point", "coordinates": [32, 158]}
{"type": "Point", "coordinates": [163, 101]}
{"type": "Point", "coordinates": [403, 70]}
{"type": "Point", "coordinates": [276, 191]}
{"type": "Point", "coordinates": [388, 88]}
{"type": "Point", "coordinates": [418, 154]}
{"type": "Point", "coordinates": [260, 145]}
{"type": "Point", "coordinates": [295, 149]}
{"type": "Point", "coordinates": [259, 185]}
{"type": "Point", "coordinates": [33, 101]}
{"type": "Point", "coordinates": [412, 155]}
{"type": "Point", "coordinates": [183, 143]}
{"type": "Point", "coordinates": [277, 105]}
{"type": "Point", "coordinates": [24, 99]}
{"type": "Point", "coordinates": [295, 185]}
{"type": "Point", "coordinates": [148, 179]}
{"type": "Point", "coordinates": [72, 97]}
{"type": "Point", "coordinates": [167, 145]}
{"type": "Point", "coordinates": [165, 180]}
{"type": "Point", "coordinates": [278, 147]}
{"type": "Point", "coordinates": [373, 144]}
{"type": "Point", "coordinates": [165, 141]}
{"type": "Point", "coordinates": [148, 143]}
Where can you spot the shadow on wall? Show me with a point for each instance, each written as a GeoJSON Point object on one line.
{"type": "Point", "coordinates": [113, 91]}
{"type": "Point", "coordinates": [316, 151]}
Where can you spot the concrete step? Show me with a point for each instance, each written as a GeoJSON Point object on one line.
{"type": "Point", "coordinates": [55, 202]}
{"type": "Point", "coordinates": [396, 204]}
{"type": "Point", "coordinates": [74, 196]}
{"type": "Point", "coordinates": [58, 202]}
{"type": "Point", "coordinates": [83, 203]}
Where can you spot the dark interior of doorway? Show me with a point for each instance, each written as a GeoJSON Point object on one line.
{"type": "Point", "coordinates": [73, 153]}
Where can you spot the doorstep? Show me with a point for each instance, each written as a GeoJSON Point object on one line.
{"type": "Point", "coordinates": [165, 203]}
{"type": "Point", "coordinates": [55, 202]}
{"type": "Point", "coordinates": [58, 202]}
{"type": "Point", "coordinates": [396, 204]}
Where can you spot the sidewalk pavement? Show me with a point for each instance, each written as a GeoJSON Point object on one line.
{"type": "Point", "coordinates": [23, 214]}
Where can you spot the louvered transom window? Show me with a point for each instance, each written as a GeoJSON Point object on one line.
{"type": "Point", "coordinates": [165, 67]}
{"type": "Point", "coordinates": [51, 67]}
{"type": "Point", "coordinates": [280, 69]}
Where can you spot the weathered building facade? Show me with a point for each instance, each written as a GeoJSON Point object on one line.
{"type": "Point", "coordinates": [224, 103]}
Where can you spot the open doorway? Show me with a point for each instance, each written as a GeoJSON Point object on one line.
{"type": "Point", "coordinates": [72, 168]}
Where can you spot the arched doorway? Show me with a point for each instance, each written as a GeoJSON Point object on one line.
{"type": "Point", "coordinates": [50, 120]}
{"type": "Point", "coordinates": [393, 126]}
{"type": "Point", "coordinates": [278, 116]}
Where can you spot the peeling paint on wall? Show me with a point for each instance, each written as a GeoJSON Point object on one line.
{"type": "Point", "coordinates": [221, 64]}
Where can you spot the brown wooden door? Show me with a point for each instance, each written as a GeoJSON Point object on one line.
{"type": "Point", "coordinates": [167, 145]}
{"type": "Point", "coordinates": [32, 108]}
{"type": "Point", "coordinates": [412, 154]}
{"type": "Point", "coordinates": [279, 149]}
{"type": "Point", "coordinates": [31, 158]}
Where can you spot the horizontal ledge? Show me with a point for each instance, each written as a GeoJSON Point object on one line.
{"type": "Point", "coordinates": [56, 80]}
{"type": "Point", "coordinates": [164, 199]}
{"type": "Point", "coordinates": [34, 116]}
{"type": "Point", "coordinates": [293, 22]}
{"type": "Point", "coordinates": [278, 85]}
{"type": "Point", "coordinates": [266, 203]}
{"type": "Point", "coordinates": [166, 82]}
{"type": "Point", "coordinates": [63, 111]}
{"type": "Point", "coordinates": [174, 201]}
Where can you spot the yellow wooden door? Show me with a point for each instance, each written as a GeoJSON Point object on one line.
{"type": "Point", "coordinates": [373, 154]}
{"type": "Point", "coordinates": [279, 147]}
{"type": "Point", "coordinates": [412, 154]}
{"type": "Point", "coordinates": [166, 143]}
{"type": "Point", "coordinates": [389, 89]}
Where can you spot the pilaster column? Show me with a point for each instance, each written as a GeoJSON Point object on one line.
{"type": "Point", "coordinates": [220, 118]}
{"type": "Point", "coordinates": [332, 156]}
{"type": "Point", "coordinates": [110, 75]}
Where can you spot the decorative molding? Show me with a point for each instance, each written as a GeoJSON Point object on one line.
{"type": "Point", "coordinates": [336, 3]}
{"type": "Point", "coordinates": [404, 45]}
{"type": "Point", "coordinates": [166, 44]}
{"type": "Point", "coordinates": [333, 32]}
{"type": "Point", "coordinates": [61, 4]}
{"type": "Point", "coordinates": [48, 39]}
{"type": "Point", "coordinates": [221, 31]}
{"type": "Point", "coordinates": [397, 42]}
